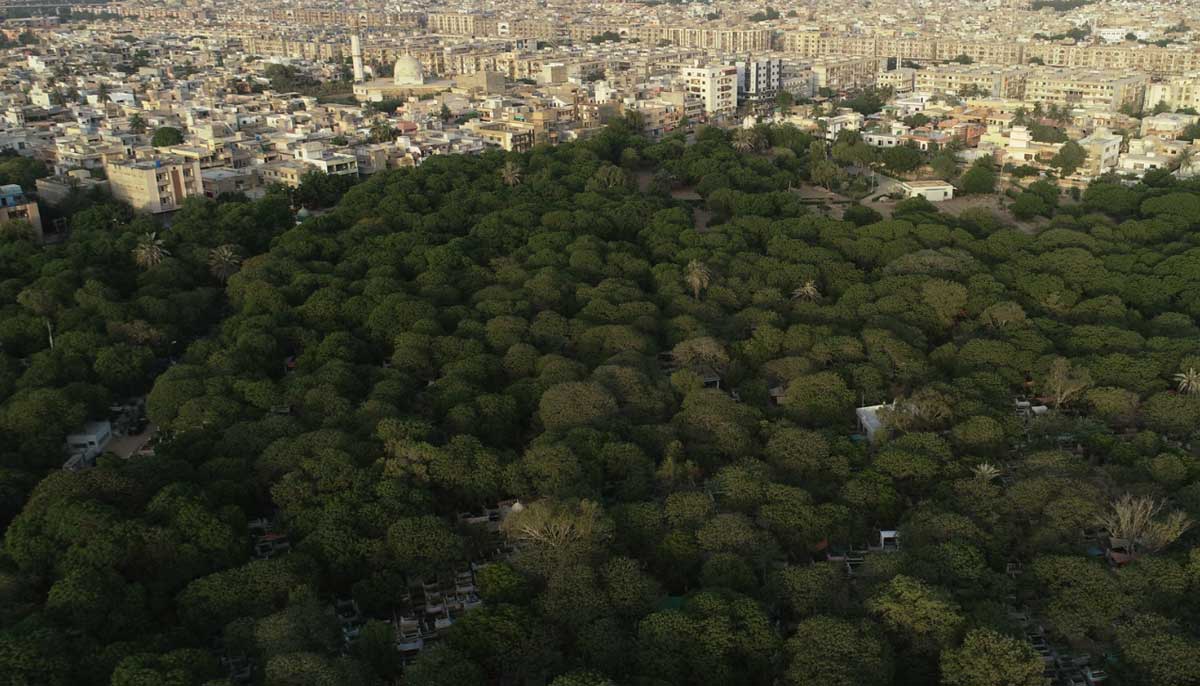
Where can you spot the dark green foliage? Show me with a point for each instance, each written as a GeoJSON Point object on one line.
{"type": "Point", "coordinates": [166, 136]}
{"type": "Point", "coordinates": [674, 408]}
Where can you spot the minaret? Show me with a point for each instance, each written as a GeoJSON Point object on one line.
{"type": "Point", "coordinates": [356, 56]}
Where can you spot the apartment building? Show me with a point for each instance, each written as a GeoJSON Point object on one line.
{"type": "Point", "coordinates": [512, 136]}
{"type": "Point", "coordinates": [902, 80]}
{"type": "Point", "coordinates": [461, 24]}
{"type": "Point", "coordinates": [1177, 93]}
{"type": "Point", "coordinates": [315, 50]}
{"type": "Point", "coordinates": [845, 73]}
{"type": "Point", "coordinates": [959, 79]}
{"type": "Point", "coordinates": [759, 81]}
{"type": "Point", "coordinates": [1087, 88]}
{"type": "Point", "coordinates": [540, 29]}
{"type": "Point", "coordinates": [155, 186]}
{"type": "Point", "coordinates": [731, 40]}
{"type": "Point", "coordinates": [1103, 152]}
{"type": "Point", "coordinates": [1156, 61]}
{"type": "Point", "coordinates": [980, 52]}
{"type": "Point", "coordinates": [716, 87]}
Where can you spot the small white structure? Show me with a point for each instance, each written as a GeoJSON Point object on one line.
{"type": "Point", "coordinates": [933, 191]}
{"type": "Point", "coordinates": [870, 421]}
{"type": "Point", "coordinates": [86, 445]}
{"type": "Point", "coordinates": [889, 540]}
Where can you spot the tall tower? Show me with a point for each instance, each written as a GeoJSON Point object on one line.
{"type": "Point", "coordinates": [356, 55]}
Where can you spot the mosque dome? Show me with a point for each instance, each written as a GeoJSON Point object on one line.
{"type": "Point", "coordinates": [408, 71]}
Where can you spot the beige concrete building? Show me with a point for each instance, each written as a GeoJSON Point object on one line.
{"type": "Point", "coordinates": [461, 24]}
{"type": "Point", "coordinates": [733, 40]}
{"type": "Point", "coordinates": [1177, 93]}
{"type": "Point", "coordinates": [1103, 152]}
{"type": "Point", "coordinates": [845, 73]}
{"type": "Point", "coordinates": [1087, 88]}
{"type": "Point", "coordinates": [155, 185]}
{"type": "Point", "coordinates": [1156, 61]}
{"type": "Point", "coordinates": [960, 79]}
{"type": "Point", "coordinates": [506, 135]}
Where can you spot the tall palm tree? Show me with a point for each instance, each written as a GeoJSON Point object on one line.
{"type": "Point", "coordinates": [807, 291]}
{"type": "Point", "coordinates": [510, 174]}
{"type": "Point", "coordinates": [224, 261]}
{"type": "Point", "coordinates": [149, 251]}
{"type": "Point", "coordinates": [382, 132]}
{"type": "Point", "coordinates": [745, 140]}
{"type": "Point", "coordinates": [1189, 381]}
{"type": "Point", "coordinates": [697, 277]}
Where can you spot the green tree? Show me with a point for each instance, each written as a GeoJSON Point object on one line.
{"type": "Point", "coordinates": [224, 261]}
{"type": "Point", "coordinates": [923, 616]}
{"type": "Point", "coordinates": [837, 652]}
{"type": "Point", "coordinates": [574, 404]}
{"type": "Point", "coordinates": [166, 136]}
{"type": "Point", "coordinates": [980, 178]}
{"type": "Point", "coordinates": [988, 658]}
{"type": "Point", "coordinates": [1069, 159]}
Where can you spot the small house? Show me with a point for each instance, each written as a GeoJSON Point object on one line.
{"type": "Point", "coordinates": [933, 191]}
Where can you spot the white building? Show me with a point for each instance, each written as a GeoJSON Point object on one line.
{"type": "Point", "coordinates": [716, 87]}
{"type": "Point", "coordinates": [759, 80]}
{"type": "Point", "coordinates": [1167, 126]}
{"type": "Point", "coordinates": [315, 153]}
{"type": "Point", "coordinates": [846, 119]}
{"type": "Point", "coordinates": [933, 191]}
{"type": "Point", "coordinates": [1103, 150]}
{"type": "Point", "coordinates": [1147, 154]}
{"type": "Point", "coordinates": [86, 445]}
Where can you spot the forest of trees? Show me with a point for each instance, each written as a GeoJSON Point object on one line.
{"type": "Point", "coordinates": [673, 408]}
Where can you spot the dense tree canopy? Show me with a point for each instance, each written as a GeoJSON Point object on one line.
{"type": "Point", "coordinates": [672, 406]}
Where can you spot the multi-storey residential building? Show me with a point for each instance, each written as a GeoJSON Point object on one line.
{"type": "Point", "coordinates": [541, 29]}
{"type": "Point", "coordinates": [999, 82]}
{"type": "Point", "coordinates": [1087, 88]}
{"type": "Point", "coordinates": [512, 136]}
{"type": "Point", "coordinates": [759, 80]}
{"type": "Point", "coordinates": [981, 52]}
{"type": "Point", "coordinates": [716, 87]}
{"type": "Point", "coordinates": [155, 185]}
{"type": "Point", "coordinates": [1156, 61]}
{"type": "Point", "coordinates": [1103, 151]}
{"type": "Point", "coordinates": [462, 24]}
{"type": "Point", "coordinates": [1176, 93]}
{"type": "Point", "coordinates": [730, 40]}
{"type": "Point", "coordinates": [845, 73]}
{"type": "Point", "coordinates": [902, 80]}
